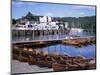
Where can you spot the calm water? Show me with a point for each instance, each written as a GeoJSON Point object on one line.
{"type": "Point", "coordinates": [86, 51]}
{"type": "Point", "coordinates": [55, 36]}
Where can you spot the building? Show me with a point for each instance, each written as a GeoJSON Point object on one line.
{"type": "Point", "coordinates": [45, 19]}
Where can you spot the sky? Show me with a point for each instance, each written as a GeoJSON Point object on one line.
{"type": "Point", "coordinates": [20, 9]}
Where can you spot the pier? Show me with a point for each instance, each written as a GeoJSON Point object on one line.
{"type": "Point", "coordinates": [52, 41]}
{"type": "Point", "coordinates": [53, 49]}
{"type": "Point", "coordinates": [54, 46]}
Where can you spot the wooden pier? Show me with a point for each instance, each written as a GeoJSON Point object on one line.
{"type": "Point", "coordinates": [77, 42]}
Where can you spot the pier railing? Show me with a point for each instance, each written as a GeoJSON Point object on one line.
{"type": "Point", "coordinates": [28, 35]}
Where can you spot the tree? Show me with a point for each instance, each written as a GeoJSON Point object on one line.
{"type": "Point", "coordinates": [13, 21]}
{"type": "Point", "coordinates": [29, 16]}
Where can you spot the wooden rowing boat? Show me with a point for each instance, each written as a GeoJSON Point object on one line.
{"type": "Point", "coordinates": [23, 56]}
{"type": "Point", "coordinates": [59, 67]}
{"type": "Point", "coordinates": [15, 56]}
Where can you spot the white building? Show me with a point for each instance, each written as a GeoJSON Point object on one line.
{"type": "Point", "coordinates": [66, 24]}
{"type": "Point", "coordinates": [45, 19]}
{"type": "Point", "coordinates": [45, 24]}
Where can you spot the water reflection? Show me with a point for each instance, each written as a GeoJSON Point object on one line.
{"type": "Point", "coordinates": [54, 36]}
{"type": "Point", "coordinates": [86, 51]}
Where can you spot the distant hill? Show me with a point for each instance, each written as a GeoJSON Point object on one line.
{"type": "Point", "coordinates": [80, 22]}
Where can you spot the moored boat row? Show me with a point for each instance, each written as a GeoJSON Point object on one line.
{"type": "Point", "coordinates": [79, 42]}
{"type": "Point", "coordinates": [57, 62]}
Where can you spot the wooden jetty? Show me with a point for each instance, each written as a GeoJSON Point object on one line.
{"type": "Point", "coordinates": [23, 52]}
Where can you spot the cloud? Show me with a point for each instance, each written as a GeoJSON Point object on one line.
{"type": "Point", "coordinates": [84, 7]}
{"type": "Point", "coordinates": [81, 13]}
{"type": "Point", "coordinates": [49, 14]}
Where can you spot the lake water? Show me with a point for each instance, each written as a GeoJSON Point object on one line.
{"type": "Point", "coordinates": [85, 51]}
{"type": "Point", "coordinates": [55, 36]}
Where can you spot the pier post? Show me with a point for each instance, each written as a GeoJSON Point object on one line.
{"type": "Point", "coordinates": [55, 34]}
{"type": "Point", "coordinates": [52, 33]}
{"type": "Point", "coordinates": [18, 35]}
{"type": "Point", "coordinates": [33, 34]}
{"type": "Point", "coordinates": [41, 34]}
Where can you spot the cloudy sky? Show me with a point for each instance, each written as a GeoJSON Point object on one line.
{"type": "Point", "coordinates": [20, 9]}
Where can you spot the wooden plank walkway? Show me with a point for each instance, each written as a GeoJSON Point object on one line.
{"type": "Point", "coordinates": [47, 40]}
{"type": "Point", "coordinates": [33, 41]}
